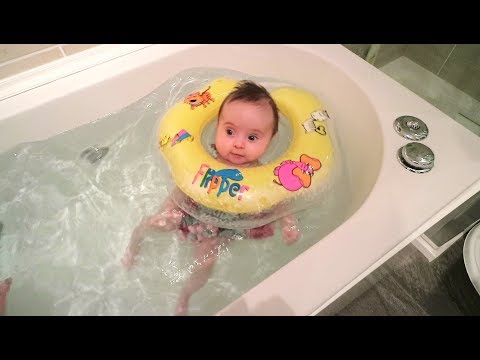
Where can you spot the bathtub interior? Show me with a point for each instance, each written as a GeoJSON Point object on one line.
{"type": "Point", "coordinates": [354, 116]}
{"type": "Point", "coordinates": [356, 121]}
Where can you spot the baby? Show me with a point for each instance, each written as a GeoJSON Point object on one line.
{"type": "Point", "coordinates": [247, 121]}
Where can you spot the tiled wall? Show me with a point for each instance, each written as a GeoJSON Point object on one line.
{"type": "Point", "coordinates": [458, 64]}
{"type": "Point", "coordinates": [359, 49]}
{"type": "Point", "coordinates": [16, 58]}
{"type": "Point", "coordinates": [385, 53]}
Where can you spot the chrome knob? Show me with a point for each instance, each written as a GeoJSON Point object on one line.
{"type": "Point", "coordinates": [416, 157]}
{"type": "Point", "coordinates": [410, 128]}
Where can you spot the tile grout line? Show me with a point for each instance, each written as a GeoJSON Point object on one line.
{"type": "Point", "coordinates": [448, 56]}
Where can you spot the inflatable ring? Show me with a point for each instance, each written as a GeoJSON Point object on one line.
{"type": "Point", "coordinates": [301, 170]}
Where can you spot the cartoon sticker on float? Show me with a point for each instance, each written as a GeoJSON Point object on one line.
{"type": "Point", "coordinates": [198, 98]}
{"type": "Point", "coordinates": [177, 138]}
{"type": "Point", "coordinates": [223, 180]}
{"type": "Point", "coordinates": [180, 136]}
{"type": "Point", "coordinates": [164, 141]}
{"type": "Point", "coordinates": [314, 124]}
{"type": "Point", "coordinates": [294, 175]}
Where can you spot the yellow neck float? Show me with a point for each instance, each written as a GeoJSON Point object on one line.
{"type": "Point", "coordinates": [300, 170]}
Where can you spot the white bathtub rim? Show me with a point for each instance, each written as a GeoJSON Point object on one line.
{"type": "Point", "coordinates": [66, 66]}
{"type": "Point", "coordinates": [379, 190]}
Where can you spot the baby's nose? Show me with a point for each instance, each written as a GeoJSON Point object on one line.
{"type": "Point", "coordinates": [239, 143]}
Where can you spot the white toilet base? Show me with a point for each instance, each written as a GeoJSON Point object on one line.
{"type": "Point", "coordinates": [471, 255]}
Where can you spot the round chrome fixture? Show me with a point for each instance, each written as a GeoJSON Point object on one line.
{"type": "Point", "coordinates": [410, 128]}
{"type": "Point", "coordinates": [416, 157]}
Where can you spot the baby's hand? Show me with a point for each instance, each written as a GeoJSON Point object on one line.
{"type": "Point", "coordinates": [290, 231]}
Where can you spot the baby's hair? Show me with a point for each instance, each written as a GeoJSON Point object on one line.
{"type": "Point", "coordinates": [249, 91]}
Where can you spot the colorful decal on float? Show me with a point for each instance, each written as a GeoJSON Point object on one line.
{"type": "Point", "coordinates": [164, 141]}
{"type": "Point", "coordinates": [199, 98]}
{"type": "Point", "coordinates": [294, 175]}
{"type": "Point", "coordinates": [223, 180]}
{"type": "Point", "coordinates": [314, 123]}
{"type": "Point", "coordinates": [181, 135]}
{"type": "Point", "coordinates": [177, 138]}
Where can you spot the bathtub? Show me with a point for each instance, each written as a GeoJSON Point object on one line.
{"type": "Point", "coordinates": [390, 206]}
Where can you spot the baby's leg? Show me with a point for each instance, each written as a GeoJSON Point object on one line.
{"type": "Point", "coordinates": [167, 218]}
{"type": "Point", "coordinates": [290, 229]}
{"type": "Point", "coordinates": [206, 251]}
{"type": "Point", "coordinates": [4, 289]}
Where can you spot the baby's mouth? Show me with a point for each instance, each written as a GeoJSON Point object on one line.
{"type": "Point", "coordinates": [237, 158]}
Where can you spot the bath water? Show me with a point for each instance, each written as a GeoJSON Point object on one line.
{"type": "Point", "coordinates": [67, 220]}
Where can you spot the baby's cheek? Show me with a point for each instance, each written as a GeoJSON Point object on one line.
{"type": "Point", "coordinates": [220, 145]}
{"type": "Point", "coordinates": [262, 148]}
{"type": "Point", "coordinates": [222, 149]}
{"type": "Point", "coordinates": [220, 139]}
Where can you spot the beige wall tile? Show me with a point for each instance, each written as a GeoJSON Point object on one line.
{"type": "Point", "coordinates": [70, 49]}
{"type": "Point", "coordinates": [359, 49]}
{"type": "Point", "coordinates": [388, 53]}
{"type": "Point", "coordinates": [12, 51]}
{"type": "Point", "coordinates": [429, 56]}
{"type": "Point", "coordinates": [462, 69]}
{"type": "Point", "coordinates": [30, 62]}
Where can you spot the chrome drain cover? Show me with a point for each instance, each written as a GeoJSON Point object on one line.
{"type": "Point", "coordinates": [416, 157]}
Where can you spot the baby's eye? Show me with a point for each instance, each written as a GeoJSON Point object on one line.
{"type": "Point", "coordinates": [229, 132]}
{"type": "Point", "coordinates": [252, 138]}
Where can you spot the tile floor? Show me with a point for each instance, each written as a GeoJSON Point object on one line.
{"type": "Point", "coordinates": [409, 285]}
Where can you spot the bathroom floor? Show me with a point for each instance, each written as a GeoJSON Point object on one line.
{"type": "Point", "coordinates": [408, 284]}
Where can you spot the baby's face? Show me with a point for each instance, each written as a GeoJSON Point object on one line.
{"type": "Point", "coordinates": [244, 131]}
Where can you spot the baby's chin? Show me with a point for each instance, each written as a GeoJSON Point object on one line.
{"type": "Point", "coordinates": [241, 163]}
{"type": "Point", "coordinates": [234, 160]}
